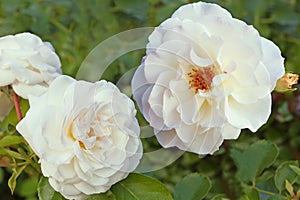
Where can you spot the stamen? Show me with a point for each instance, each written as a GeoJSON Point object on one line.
{"type": "Point", "coordinates": [200, 79]}
{"type": "Point", "coordinates": [82, 145]}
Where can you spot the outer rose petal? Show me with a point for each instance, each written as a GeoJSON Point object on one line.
{"type": "Point", "coordinates": [139, 80]}
{"type": "Point", "coordinates": [273, 59]}
{"type": "Point", "coordinates": [6, 77]}
{"type": "Point", "coordinates": [23, 89]}
{"type": "Point", "coordinates": [203, 142]}
{"type": "Point", "coordinates": [169, 138]}
{"type": "Point", "coordinates": [230, 132]}
{"type": "Point", "coordinates": [196, 11]}
{"type": "Point", "coordinates": [250, 116]}
{"type": "Point", "coordinates": [207, 142]}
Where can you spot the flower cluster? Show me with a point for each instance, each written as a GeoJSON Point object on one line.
{"type": "Point", "coordinates": [85, 134]}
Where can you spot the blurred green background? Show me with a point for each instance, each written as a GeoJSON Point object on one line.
{"type": "Point", "coordinates": [75, 27]}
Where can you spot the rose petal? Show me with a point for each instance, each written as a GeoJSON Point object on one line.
{"type": "Point", "coordinates": [196, 11]}
{"type": "Point", "coordinates": [273, 59]}
{"type": "Point", "coordinates": [230, 132]}
{"type": "Point", "coordinates": [250, 116]}
{"type": "Point", "coordinates": [6, 77]}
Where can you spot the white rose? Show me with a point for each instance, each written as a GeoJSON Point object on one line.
{"type": "Point", "coordinates": [85, 134]}
{"type": "Point", "coordinates": [6, 102]}
{"type": "Point", "coordinates": [205, 77]}
{"type": "Point", "coordinates": [27, 64]}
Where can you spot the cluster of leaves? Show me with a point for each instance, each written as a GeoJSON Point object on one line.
{"type": "Point", "coordinates": [264, 165]}
{"type": "Point", "coordinates": [255, 177]}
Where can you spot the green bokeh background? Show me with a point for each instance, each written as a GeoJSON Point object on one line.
{"type": "Point", "coordinates": [75, 27]}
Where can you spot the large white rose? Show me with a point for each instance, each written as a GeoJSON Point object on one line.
{"type": "Point", "coordinates": [85, 134]}
{"type": "Point", "coordinates": [27, 64]}
{"type": "Point", "coordinates": [205, 77]}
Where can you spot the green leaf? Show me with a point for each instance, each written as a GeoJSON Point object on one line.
{"type": "Point", "coordinates": [11, 153]}
{"type": "Point", "coordinates": [192, 187]}
{"type": "Point", "coordinates": [286, 17]}
{"type": "Point", "coordinates": [140, 187]}
{"type": "Point", "coordinates": [220, 197]}
{"type": "Point", "coordinates": [254, 160]}
{"type": "Point", "coordinates": [276, 197]}
{"type": "Point", "coordinates": [1, 175]}
{"type": "Point", "coordinates": [11, 140]}
{"type": "Point", "coordinates": [284, 114]}
{"type": "Point", "coordinates": [252, 193]}
{"type": "Point", "coordinates": [12, 181]}
{"type": "Point", "coordinates": [289, 188]}
{"type": "Point", "coordinates": [46, 192]}
{"type": "Point", "coordinates": [135, 8]}
{"type": "Point", "coordinates": [27, 187]}
{"type": "Point", "coordinates": [285, 172]}
{"type": "Point", "coordinates": [12, 116]}
{"type": "Point", "coordinates": [264, 177]}
{"type": "Point", "coordinates": [4, 125]}
{"type": "Point", "coordinates": [295, 169]}
{"type": "Point", "coordinates": [106, 196]}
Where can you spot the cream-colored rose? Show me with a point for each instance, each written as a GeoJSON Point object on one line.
{"type": "Point", "coordinates": [85, 134]}
{"type": "Point", "coordinates": [205, 76]}
{"type": "Point", "coordinates": [27, 64]}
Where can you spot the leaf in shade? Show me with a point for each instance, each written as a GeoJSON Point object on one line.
{"type": "Point", "coordinates": [104, 196]}
{"type": "Point", "coordinates": [140, 187]}
{"type": "Point", "coordinates": [192, 187]}
{"type": "Point", "coordinates": [254, 160]}
{"type": "Point", "coordinates": [12, 181]}
{"type": "Point", "coordinates": [285, 172]}
{"type": "Point", "coordinates": [46, 192]}
{"type": "Point", "coordinates": [11, 140]}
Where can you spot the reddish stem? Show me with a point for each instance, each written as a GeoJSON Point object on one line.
{"type": "Point", "coordinates": [17, 106]}
{"type": "Point", "coordinates": [3, 164]}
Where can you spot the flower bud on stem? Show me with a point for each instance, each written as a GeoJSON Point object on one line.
{"type": "Point", "coordinates": [285, 83]}
{"type": "Point", "coordinates": [17, 106]}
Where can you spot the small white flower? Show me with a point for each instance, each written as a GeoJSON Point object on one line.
{"type": "Point", "coordinates": [85, 134]}
{"type": "Point", "coordinates": [27, 64]}
{"type": "Point", "coordinates": [205, 76]}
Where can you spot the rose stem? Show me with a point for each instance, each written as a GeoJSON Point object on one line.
{"type": "Point", "coordinates": [17, 106]}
